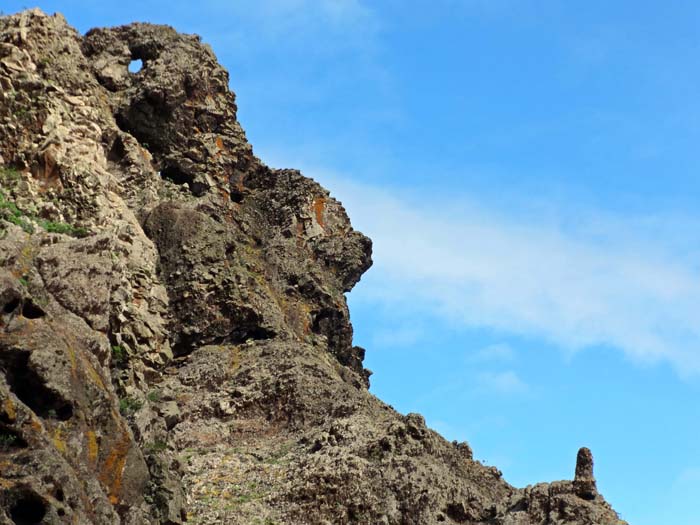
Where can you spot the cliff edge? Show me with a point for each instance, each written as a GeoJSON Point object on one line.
{"type": "Point", "coordinates": [175, 343]}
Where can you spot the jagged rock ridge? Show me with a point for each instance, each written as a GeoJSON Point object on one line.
{"type": "Point", "coordinates": [175, 344]}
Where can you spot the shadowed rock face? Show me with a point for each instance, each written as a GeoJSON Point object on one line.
{"type": "Point", "coordinates": [175, 343]}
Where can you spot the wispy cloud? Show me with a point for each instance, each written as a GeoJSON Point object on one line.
{"type": "Point", "coordinates": [405, 334]}
{"type": "Point", "coordinates": [628, 283]}
{"type": "Point", "coordinates": [500, 352]}
{"type": "Point", "coordinates": [327, 24]}
{"type": "Point", "coordinates": [505, 383]}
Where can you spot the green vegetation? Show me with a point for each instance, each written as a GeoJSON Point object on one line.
{"type": "Point", "coordinates": [250, 492]}
{"type": "Point", "coordinates": [119, 355]}
{"type": "Point", "coordinates": [156, 447]}
{"type": "Point", "coordinates": [128, 405]}
{"type": "Point", "coordinates": [7, 440]}
{"type": "Point", "coordinates": [10, 174]}
{"type": "Point", "coordinates": [23, 281]}
{"type": "Point", "coordinates": [278, 456]}
{"type": "Point", "coordinates": [154, 396]}
{"type": "Point", "coordinates": [11, 213]}
{"type": "Point", "coordinates": [61, 227]}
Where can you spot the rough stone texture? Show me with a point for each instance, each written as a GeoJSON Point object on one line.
{"type": "Point", "coordinates": [175, 342]}
{"type": "Point", "coordinates": [584, 482]}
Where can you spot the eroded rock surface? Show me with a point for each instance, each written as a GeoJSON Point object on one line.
{"type": "Point", "coordinates": [175, 343]}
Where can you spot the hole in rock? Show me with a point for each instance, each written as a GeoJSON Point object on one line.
{"type": "Point", "coordinates": [256, 334]}
{"type": "Point", "coordinates": [28, 509]}
{"type": "Point", "coordinates": [144, 119]}
{"type": "Point", "coordinates": [178, 176]}
{"type": "Point", "coordinates": [11, 306]}
{"type": "Point", "coordinates": [456, 512]}
{"type": "Point", "coordinates": [117, 151]}
{"type": "Point", "coordinates": [10, 439]}
{"type": "Point", "coordinates": [29, 387]}
{"type": "Point", "coordinates": [236, 195]}
{"type": "Point", "coordinates": [187, 344]}
{"type": "Point", "coordinates": [136, 65]}
{"type": "Point", "coordinates": [32, 311]}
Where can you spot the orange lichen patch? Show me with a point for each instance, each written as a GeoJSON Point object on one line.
{"type": "Point", "coordinates": [146, 154]}
{"type": "Point", "coordinates": [113, 468]}
{"type": "Point", "coordinates": [319, 207]}
{"type": "Point", "coordinates": [219, 143]}
{"type": "Point", "coordinates": [35, 424]}
{"type": "Point", "coordinates": [59, 440]}
{"type": "Point", "coordinates": [8, 410]}
{"type": "Point", "coordinates": [92, 446]}
{"type": "Point", "coordinates": [225, 194]}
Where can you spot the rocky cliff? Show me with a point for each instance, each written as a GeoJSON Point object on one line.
{"type": "Point", "coordinates": [175, 343]}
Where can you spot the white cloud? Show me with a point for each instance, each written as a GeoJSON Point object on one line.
{"type": "Point", "coordinates": [628, 283]}
{"type": "Point", "coordinates": [505, 382]}
{"type": "Point", "coordinates": [500, 352]}
{"type": "Point", "coordinates": [401, 335]}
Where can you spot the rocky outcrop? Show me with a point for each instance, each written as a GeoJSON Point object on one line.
{"type": "Point", "coordinates": [175, 343]}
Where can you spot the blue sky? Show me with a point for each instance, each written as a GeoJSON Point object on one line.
{"type": "Point", "coordinates": [528, 172]}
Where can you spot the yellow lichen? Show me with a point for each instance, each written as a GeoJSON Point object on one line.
{"type": "Point", "coordinates": [73, 360]}
{"type": "Point", "coordinates": [59, 440]}
{"type": "Point", "coordinates": [235, 359]}
{"type": "Point", "coordinates": [5, 483]}
{"type": "Point", "coordinates": [8, 408]}
{"type": "Point", "coordinates": [92, 446]}
{"type": "Point", "coordinates": [92, 373]}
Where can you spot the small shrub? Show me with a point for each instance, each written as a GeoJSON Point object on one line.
{"type": "Point", "coordinates": [11, 213]}
{"type": "Point", "coordinates": [128, 405]}
{"type": "Point", "coordinates": [154, 396]}
{"type": "Point", "coordinates": [62, 227]}
{"type": "Point", "coordinates": [156, 447]}
{"type": "Point", "coordinates": [10, 174]}
{"type": "Point", "coordinates": [119, 355]}
{"type": "Point", "coordinates": [19, 221]}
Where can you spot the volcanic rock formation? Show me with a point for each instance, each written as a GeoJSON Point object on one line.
{"type": "Point", "coordinates": [175, 343]}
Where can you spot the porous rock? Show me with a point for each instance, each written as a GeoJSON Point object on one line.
{"type": "Point", "coordinates": [175, 343]}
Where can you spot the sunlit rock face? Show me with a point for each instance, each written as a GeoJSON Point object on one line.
{"type": "Point", "coordinates": [175, 343]}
